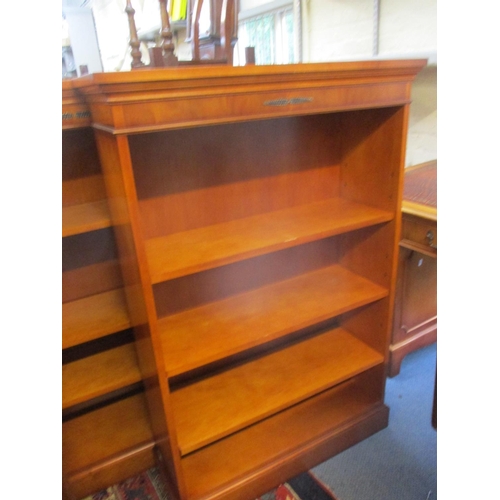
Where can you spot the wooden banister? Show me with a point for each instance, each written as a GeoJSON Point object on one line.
{"type": "Point", "coordinates": [134, 39]}
{"type": "Point", "coordinates": [223, 40]}
{"type": "Point", "coordinates": [170, 59]}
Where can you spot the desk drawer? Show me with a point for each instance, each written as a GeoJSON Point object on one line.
{"type": "Point", "coordinates": [419, 234]}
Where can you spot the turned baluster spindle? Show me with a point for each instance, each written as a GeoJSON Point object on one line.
{"type": "Point", "coordinates": [134, 39]}
{"type": "Point", "coordinates": [166, 35]}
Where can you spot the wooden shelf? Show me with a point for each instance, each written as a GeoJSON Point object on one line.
{"type": "Point", "coordinates": [227, 402]}
{"type": "Point", "coordinates": [192, 251]}
{"type": "Point", "coordinates": [192, 338]}
{"type": "Point", "coordinates": [82, 190]}
{"type": "Point", "coordinates": [99, 374]}
{"type": "Point", "coordinates": [86, 217]}
{"type": "Point", "coordinates": [93, 317]}
{"type": "Point", "coordinates": [120, 425]}
{"type": "Point", "coordinates": [107, 445]}
{"type": "Point", "coordinates": [314, 420]}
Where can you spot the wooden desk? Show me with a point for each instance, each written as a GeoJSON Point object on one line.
{"type": "Point", "coordinates": [415, 313]}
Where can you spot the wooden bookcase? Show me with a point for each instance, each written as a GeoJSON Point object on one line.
{"type": "Point", "coordinates": [106, 431]}
{"type": "Point", "coordinates": [255, 211]}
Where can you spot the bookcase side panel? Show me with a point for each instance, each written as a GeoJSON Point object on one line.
{"type": "Point", "coordinates": [117, 168]}
{"type": "Point", "coordinates": [373, 153]}
{"type": "Point", "coordinates": [372, 172]}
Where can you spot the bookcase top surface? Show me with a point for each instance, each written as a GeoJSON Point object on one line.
{"type": "Point", "coordinates": [349, 69]}
{"type": "Point", "coordinates": [149, 100]}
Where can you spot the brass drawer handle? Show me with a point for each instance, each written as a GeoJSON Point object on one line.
{"type": "Point", "coordinates": [286, 102]}
{"type": "Point", "coordinates": [430, 239]}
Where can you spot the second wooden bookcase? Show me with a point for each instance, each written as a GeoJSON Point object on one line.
{"type": "Point", "coordinates": [255, 211]}
{"type": "Point", "coordinates": [106, 435]}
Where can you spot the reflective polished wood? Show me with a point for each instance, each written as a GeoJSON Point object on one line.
{"type": "Point", "coordinates": [256, 215]}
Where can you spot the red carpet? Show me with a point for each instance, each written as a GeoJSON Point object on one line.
{"type": "Point", "coordinates": [149, 486]}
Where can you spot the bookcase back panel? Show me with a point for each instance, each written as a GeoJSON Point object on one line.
{"type": "Point", "coordinates": [205, 207]}
{"type": "Point", "coordinates": [91, 280]}
{"type": "Point", "coordinates": [216, 284]}
{"type": "Point", "coordinates": [192, 178]}
{"type": "Point", "coordinates": [88, 280]}
{"type": "Point", "coordinates": [81, 171]}
{"type": "Point", "coordinates": [83, 190]}
{"type": "Point", "coordinates": [101, 344]}
{"type": "Point", "coordinates": [79, 154]}
{"type": "Point", "coordinates": [88, 248]}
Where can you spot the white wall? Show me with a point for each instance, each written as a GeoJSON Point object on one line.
{"type": "Point", "coordinates": [407, 26]}
{"type": "Point", "coordinates": [336, 30]}
{"type": "Point", "coordinates": [83, 39]}
{"type": "Point", "coordinates": [422, 133]}
{"type": "Point", "coordinates": [354, 29]}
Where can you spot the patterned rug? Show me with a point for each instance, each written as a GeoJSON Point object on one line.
{"type": "Point", "coordinates": [149, 486]}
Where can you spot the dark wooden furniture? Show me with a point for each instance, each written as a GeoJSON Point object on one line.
{"type": "Point", "coordinates": [415, 314]}
{"type": "Point", "coordinates": [215, 47]}
{"type": "Point", "coordinates": [434, 405]}
{"type": "Point", "coordinates": [106, 435]}
{"type": "Point", "coordinates": [218, 44]}
{"type": "Point", "coordinates": [256, 214]}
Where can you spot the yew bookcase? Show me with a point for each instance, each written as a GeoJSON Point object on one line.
{"type": "Point", "coordinates": [106, 434]}
{"type": "Point", "coordinates": [255, 211]}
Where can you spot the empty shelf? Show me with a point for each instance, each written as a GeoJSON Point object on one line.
{"type": "Point", "coordinates": [77, 219]}
{"type": "Point", "coordinates": [93, 317]}
{"type": "Point", "coordinates": [99, 374]}
{"type": "Point", "coordinates": [191, 251]}
{"type": "Point", "coordinates": [192, 338]}
{"type": "Point", "coordinates": [217, 406]}
{"type": "Point", "coordinates": [315, 420]}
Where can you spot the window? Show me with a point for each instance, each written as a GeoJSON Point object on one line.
{"type": "Point", "coordinates": [272, 33]}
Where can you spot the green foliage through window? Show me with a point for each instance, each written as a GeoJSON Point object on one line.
{"type": "Point", "coordinates": [272, 36]}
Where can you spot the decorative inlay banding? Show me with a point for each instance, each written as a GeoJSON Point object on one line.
{"type": "Point", "coordinates": [79, 115]}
